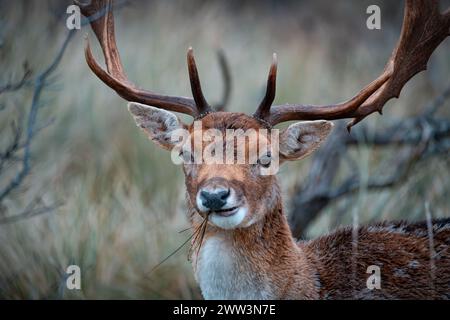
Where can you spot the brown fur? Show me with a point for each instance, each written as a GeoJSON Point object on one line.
{"type": "Point", "coordinates": [400, 249]}
{"type": "Point", "coordinates": [269, 249]}
{"type": "Point", "coordinates": [247, 183]}
{"type": "Point", "coordinates": [322, 268]}
{"type": "Point", "coordinates": [333, 266]}
{"type": "Point", "coordinates": [261, 258]}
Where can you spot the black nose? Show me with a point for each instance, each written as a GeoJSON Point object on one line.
{"type": "Point", "coordinates": [214, 200]}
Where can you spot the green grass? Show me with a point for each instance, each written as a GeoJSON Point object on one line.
{"type": "Point", "coordinates": [123, 199]}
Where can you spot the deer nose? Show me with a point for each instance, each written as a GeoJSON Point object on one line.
{"type": "Point", "coordinates": [214, 199]}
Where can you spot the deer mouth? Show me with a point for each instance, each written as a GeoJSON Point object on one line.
{"type": "Point", "coordinates": [226, 212]}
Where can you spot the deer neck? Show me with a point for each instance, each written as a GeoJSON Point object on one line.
{"type": "Point", "coordinates": [261, 261]}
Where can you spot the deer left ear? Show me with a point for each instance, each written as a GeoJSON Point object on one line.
{"type": "Point", "coordinates": [302, 138]}
{"type": "Point", "coordinates": [160, 125]}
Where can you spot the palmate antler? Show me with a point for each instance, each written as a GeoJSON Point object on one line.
{"type": "Point", "coordinates": [424, 28]}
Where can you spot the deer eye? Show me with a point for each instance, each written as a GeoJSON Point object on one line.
{"type": "Point", "coordinates": [265, 160]}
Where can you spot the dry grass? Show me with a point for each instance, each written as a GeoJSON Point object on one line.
{"type": "Point", "coordinates": [123, 198]}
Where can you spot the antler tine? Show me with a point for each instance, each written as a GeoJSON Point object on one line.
{"type": "Point", "coordinates": [226, 75]}
{"type": "Point", "coordinates": [99, 12]}
{"type": "Point", "coordinates": [423, 29]}
{"type": "Point", "coordinates": [288, 112]}
{"type": "Point", "coordinates": [263, 110]}
{"type": "Point", "coordinates": [131, 93]}
{"type": "Point", "coordinates": [202, 106]}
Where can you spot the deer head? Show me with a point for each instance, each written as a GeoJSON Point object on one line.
{"type": "Point", "coordinates": [232, 193]}
{"type": "Point", "coordinates": [237, 195]}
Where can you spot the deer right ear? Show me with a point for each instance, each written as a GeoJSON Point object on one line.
{"type": "Point", "coordinates": [159, 124]}
{"type": "Point", "coordinates": [302, 138]}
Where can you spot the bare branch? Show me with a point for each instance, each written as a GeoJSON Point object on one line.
{"type": "Point", "coordinates": [39, 84]}
{"type": "Point", "coordinates": [13, 147]}
{"type": "Point", "coordinates": [307, 206]}
{"type": "Point", "coordinates": [426, 135]}
{"type": "Point", "coordinates": [14, 86]}
{"type": "Point", "coordinates": [29, 213]}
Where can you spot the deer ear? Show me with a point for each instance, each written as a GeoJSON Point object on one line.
{"type": "Point", "coordinates": [158, 124]}
{"type": "Point", "coordinates": [302, 138]}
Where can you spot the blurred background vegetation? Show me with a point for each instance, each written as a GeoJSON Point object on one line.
{"type": "Point", "coordinates": [113, 202]}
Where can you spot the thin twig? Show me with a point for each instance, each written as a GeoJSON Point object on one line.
{"type": "Point", "coordinates": [29, 214]}
{"type": "Point", "coordinates": [39, 84]}
{"type": "Point", "coordinates": [19, 84]}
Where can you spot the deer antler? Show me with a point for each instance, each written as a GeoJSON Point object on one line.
{"type": "Point", "coordinates": [423, 29]}
{"type": "Point", "coordinates": [226, 75]}
{"type": "Point", "coordinates": [102, 22]}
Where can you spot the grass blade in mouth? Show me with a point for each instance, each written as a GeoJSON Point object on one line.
{"type": "Point", "coordinates": [195, 233]}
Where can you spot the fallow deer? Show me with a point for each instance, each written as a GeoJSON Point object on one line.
{"type": "Point", "coordinates": [246, 249]}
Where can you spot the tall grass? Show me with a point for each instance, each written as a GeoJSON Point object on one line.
{"type": "Point", "coordinates": [122, 197]}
